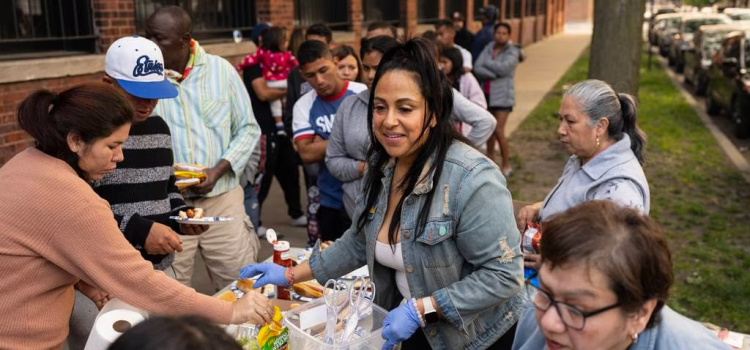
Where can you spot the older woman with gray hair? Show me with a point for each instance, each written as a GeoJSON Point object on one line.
{"type": "Point", "coordinates": [598, 127]}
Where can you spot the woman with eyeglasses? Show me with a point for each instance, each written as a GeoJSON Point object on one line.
{"type": "Point", "coordinates": [604, 282]}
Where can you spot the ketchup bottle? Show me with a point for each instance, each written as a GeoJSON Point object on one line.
{"type": "Point", "coordinates": [282, 257]}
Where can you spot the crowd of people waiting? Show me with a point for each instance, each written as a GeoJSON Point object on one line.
{"type": "Point", "coordinates": [397, 146]}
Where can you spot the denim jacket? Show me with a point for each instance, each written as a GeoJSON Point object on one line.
{"type": "Point", "coordinates": [671, 331]}
{"type": "Point", "coordinates": [467, 256]}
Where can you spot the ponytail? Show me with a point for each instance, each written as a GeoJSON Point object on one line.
{"type": "Point", "coordinates": [35, 117]}
{"type": "Point", "coordinates": [630, 127]}
{"type": "Point", "coordinates": [597, 100]}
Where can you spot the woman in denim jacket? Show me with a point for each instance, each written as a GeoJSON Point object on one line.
{"type": "Point", "coordinates": [434, 225]}
{"type": "Point", "coordinates": [604, 284]}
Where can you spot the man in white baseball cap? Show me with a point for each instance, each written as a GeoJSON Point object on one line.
{"type": "Point", "coordinates": [141, 191]}
{"type": "Point", "coordinates": [138, 66]}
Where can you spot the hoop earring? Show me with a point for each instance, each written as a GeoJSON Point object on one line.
{"type": "Point", "coordinates": [635, 338]}
{"type": "Point", "coordinates": [598, 142]}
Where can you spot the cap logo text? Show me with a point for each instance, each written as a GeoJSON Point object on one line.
{"type": "Point", "coordinates": [145, 66]}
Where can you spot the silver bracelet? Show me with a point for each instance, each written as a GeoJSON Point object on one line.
{"type": "Point", "coordinates": [422, 322]}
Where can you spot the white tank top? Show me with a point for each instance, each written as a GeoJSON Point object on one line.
{"type": "Point", "coordinates": [385, 256]}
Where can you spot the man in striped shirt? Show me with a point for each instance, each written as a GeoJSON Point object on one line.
{"type": "Point", "coordinates": [212, 125]}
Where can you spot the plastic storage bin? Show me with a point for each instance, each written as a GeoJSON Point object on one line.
{"type": "Point", "coordinates": [366, 337]}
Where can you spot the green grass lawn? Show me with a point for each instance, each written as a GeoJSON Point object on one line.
{"type": "Point", "coordinates": [699, 198]}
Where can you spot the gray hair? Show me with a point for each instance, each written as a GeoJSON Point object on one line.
{"type": "Point", "coordinates": [598, 100]}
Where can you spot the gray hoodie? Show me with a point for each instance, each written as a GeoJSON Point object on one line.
{"type": "Point", "coordinates": [350, 138]}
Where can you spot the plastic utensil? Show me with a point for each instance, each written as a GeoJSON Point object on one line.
{"type": "Point", "coordinates": [358, 303]}
{"type": "Point", "coordinates": [332, 294]}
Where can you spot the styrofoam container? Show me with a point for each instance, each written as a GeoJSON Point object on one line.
{"type": "Point", "coordinates": [366, 337]}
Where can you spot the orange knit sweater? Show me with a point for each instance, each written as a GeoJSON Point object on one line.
{"type": "Point", "coordinates": [54, 230]}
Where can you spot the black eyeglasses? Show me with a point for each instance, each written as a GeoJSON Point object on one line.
{"type": "Point", "coordinates": [570, 315]}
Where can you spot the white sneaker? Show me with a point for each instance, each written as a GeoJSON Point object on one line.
{"type": "Point", "coordinates": [261, 231]}
{"type": "Point", "coordinates": [300, 221]}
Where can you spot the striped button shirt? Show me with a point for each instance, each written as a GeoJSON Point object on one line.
{"type": "Point", "coordinates": [211, 119]}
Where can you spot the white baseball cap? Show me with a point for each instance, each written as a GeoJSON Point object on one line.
{"type": "Point", "coordinates": [138, 66]}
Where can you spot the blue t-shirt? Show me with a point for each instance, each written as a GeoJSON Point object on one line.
{"type": "Point", "coordinates": [313, 115]}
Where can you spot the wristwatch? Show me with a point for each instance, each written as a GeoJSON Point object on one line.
{"type": "Point", "coordinates": [430, 314]}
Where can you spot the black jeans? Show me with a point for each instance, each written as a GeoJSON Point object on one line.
{"type": "Point", "coordinates": [419, 341]}
{"type": "Point", "coordinates": [279, 159]}
{"type": "Point", "coordinates": [332, 223]}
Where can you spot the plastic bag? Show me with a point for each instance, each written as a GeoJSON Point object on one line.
{"type": "Point", "coordinates": [274, 336]}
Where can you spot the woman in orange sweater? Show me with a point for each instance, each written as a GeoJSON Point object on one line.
{"type": "Point", "coordinates": [56, 232]}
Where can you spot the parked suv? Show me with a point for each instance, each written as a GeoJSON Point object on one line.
{"type": "Point", "coordinates": [652, 26]}
{"type": "Point", "coordinates": [666, 26]}
{"type": "Point", "coordinates": [684, 36]}
{"type": "Point", "coordinates": [729, 81]}
{"type": "Point", "coordinates": [698, 57]}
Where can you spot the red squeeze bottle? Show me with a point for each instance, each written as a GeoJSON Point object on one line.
{"type": "Point", "coordinates": [282, 257]}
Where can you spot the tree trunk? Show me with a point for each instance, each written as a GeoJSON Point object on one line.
{"type": "Point", "coordinates": [616, 43]}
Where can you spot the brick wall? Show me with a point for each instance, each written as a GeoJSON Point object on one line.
{"type": "Point", "coordinates": [278, 12]}
{"type": "Point", "coordinates": [468, 12]}
{"type": "Point", "coordinates": [357, 15]}
{"type": "Point", "coordinates": [527, 30]}
{"type": "Point", "coordinates": [409, 17]}
{"type": "Point", "coordinates": [540, 22]}
{"type": "Point", "coordinates": [579, 11]}
{"type": "Point", "coordinates": [515, 29]}
{"type": "Point", "coordinates": [113, 19]}
{"type": "Point", "coordinates": [12, 138]}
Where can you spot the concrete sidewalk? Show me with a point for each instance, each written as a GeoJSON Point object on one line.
{"type": "Point", "coordinates": [546, 62]}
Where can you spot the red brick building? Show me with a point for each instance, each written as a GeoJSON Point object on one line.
{"type": "Point", "coordinates": [580, 11]}
{"type": "Point", "coordinates": [44, 44]}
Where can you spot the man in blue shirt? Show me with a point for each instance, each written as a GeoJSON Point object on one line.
{"type": "Point", "coordinates": [312, 121]}
{"type": "Point", "coordinates": [490, 14]}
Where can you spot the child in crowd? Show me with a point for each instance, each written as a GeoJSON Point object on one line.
{"type": "Point", "coordinates": [276, 61]}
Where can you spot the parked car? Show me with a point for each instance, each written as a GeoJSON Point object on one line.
{"type": "Point", "coordinates": [729, 81]}
{"type": "Point", "coordinates": [684, 36]}
{"type": "Point", "coordinates": [698, 57]}
{"type": "Point", "coordinates": [650, 14]}
{"type": "Point", "coordinates": [738, 14]}
{"type": "Point", "coordinates": [652, 26]}
{"type": "Point", "coordinates": [666, 26]}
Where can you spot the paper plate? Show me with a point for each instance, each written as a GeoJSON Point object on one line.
{"type": "Point", "coordinates": [185, 183]}
{"type": "Point", "coordinates": [189, 167]}
{"type": "Point", "coordinates": [209, 220]}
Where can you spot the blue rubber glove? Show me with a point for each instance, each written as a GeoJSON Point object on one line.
{"type": "Point", "coordinates": [272, 274]}
{"type": "Point", "coordinates": [399, 325]}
